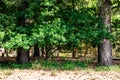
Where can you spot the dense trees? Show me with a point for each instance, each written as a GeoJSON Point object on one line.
{"type": "Point", "coordinates": [51, 24]}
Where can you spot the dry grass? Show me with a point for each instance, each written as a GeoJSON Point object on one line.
{"type": "Point", "coordinates": [53, 73]}
{"type": "Point", "coordinates": [43, 73]}
{"type": "Point", "coordinates": [6, 72]}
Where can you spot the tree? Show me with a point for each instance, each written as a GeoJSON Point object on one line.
{"type": "Point", "coordinates": [49, 28]}
{"type": "Point", "coordinates": [49, 24]}
{"type": "Point", "coordinates": [17, 28]}
{"type": "Point", "coordinates": [105, 48]}
{"type": "Point", "coordinates": [36, 51]}
{"type": "Point", "coordinates": [22, 54]}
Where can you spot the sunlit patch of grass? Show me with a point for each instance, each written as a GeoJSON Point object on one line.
{"type": "Point", "coordinates": [108, 68]}
{"type": "Point", "coordinates": [65, 54]}
{"type": "Point", "coordinates": [53, 73]}
{"type": "Point", "coordinates": [6, 72]}
{"type": "Point", "coordinates": [36, 66]}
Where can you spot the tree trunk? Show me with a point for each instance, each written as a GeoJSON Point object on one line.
{"type": "Point", "coordinates": [43, 52]}
{"type": "Point", "coordinates": [74, 53]}
{"type": "Point", "coordinates": [22, 56]}
{"type": "Point", "coordinates": [105, 48]}
{"type": "Point", "coordinates": [47, 53]}
{"type": "Point", "coordinates": [105, 53]}
{"type": "Point", "coordinates": [36, 51]}
{"type": "Point", "coordinates": [47, 50]}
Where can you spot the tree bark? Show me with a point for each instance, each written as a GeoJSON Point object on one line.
{"type": "Point", "coordinates": [74, 53]}
{"type": "Point", "coordinates": [42, 52]}
{"type": "Point", "coordinates": [22, 55]}
{"type": "Point", "coordinates": [47, 51]}
{"type": "Point", "coordinates": [105, 48]}
{"type": "Point", "coordinates": [36, 51]}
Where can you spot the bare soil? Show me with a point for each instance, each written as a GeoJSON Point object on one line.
{"type": "Point", "coordinates": [59, 75]}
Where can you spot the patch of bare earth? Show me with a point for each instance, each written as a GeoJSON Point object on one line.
{"type": "Point", "coordinates": [59, 75]}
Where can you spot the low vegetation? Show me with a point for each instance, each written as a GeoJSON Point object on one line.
{"type": "Point", "coordinates": [57, 65]}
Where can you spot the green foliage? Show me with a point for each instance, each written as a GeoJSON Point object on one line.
{"type": "Point", "coordinates": [116, 23]}
{"type": "Point", "coordinates": [54, 32]}
{"type": "Point", "coordinates": [20, 40]}
{"type": "Point", "coordinates": [2, 34]}
{"type": "Point", "coordinates": [116, 6]}
{"type": "Point", "coordinates": [50, 22]}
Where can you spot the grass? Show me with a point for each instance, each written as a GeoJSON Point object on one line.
{"type": "Point", "coordinates": [46, 65]}
{"type": "Point", "coordinates": [64, 65]}
{"type": "Point", "coordinates": [7, 72]}
{"type": "Point", "coordinates": [109, 68]}
{"type": "Point", "coordinates": [56, 65]}
{"type": "Point", "coordinates": [53, 73]}
{"type": "Point", "coordinates": [14, 65]}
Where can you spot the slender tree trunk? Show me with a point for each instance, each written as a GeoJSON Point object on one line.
{"type": "Point", "coordinates": [74, 53]}
{"type": "Point", "coordinates": [36, 51]}
{"type": "Point", "coordinates": [105, 48]}
{"type": "Point", "coordinates": [47, 50]}
{"type": "Point", "coordinates": [22, 55]}
{"type": "Point", "coordinates": [86, 48]}
{"type": "Point", "coordinates": [42, 52]}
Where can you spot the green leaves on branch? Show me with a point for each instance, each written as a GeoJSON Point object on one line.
{"type": "Point", "coordinates": [49, 33]}
{"type": "Point", "coordinates": [19, 40]}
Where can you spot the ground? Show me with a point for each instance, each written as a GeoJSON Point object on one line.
{"type": "Point", "coordinates": [25, 74]}
{"type": "Point", "coordinates": [92, 73]}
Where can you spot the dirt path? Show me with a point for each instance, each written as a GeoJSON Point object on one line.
{"type": "Point", "coordinates": [59, 75]}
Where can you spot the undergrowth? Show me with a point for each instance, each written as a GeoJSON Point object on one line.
{"type": "Point", "coordinates": [64, 65]}
{"type": "Point", "coordinates": [56, 65]}
{"type": "Point", "coordinates": [46, 65]}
